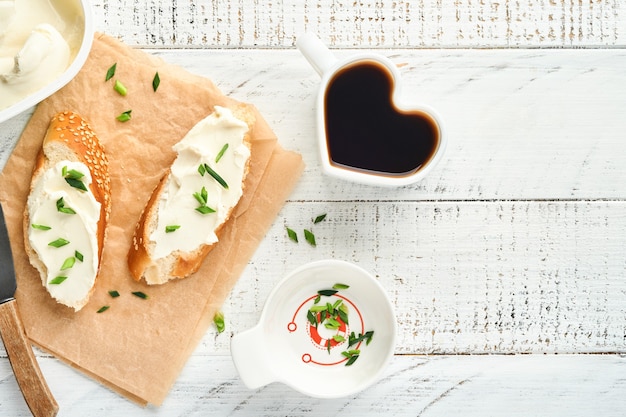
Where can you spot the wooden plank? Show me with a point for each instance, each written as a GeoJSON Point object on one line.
{"type": "Point", "coordinates": [365, 23]}
{"type": "Point", "coordinates": [496, 277]}
{"type": "Point", "coordinates": [432, 386]}
{"type": "Point", "coordinates": [530, 125]}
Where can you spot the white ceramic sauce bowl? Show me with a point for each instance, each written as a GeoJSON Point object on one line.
{"type": "Point", "coordinates": [285, 347]}
{"type": "Point", "coordinates": [78, 60]}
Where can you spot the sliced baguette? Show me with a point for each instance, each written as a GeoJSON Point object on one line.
{"type": "Point", "coordinates": [180, 263]}
{"type": "Point", "coordinates": [70, 139]}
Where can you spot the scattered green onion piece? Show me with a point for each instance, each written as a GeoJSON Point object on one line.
{"type": "Point", "coordinates": [309, 237]}
{"type": "Point", "coordinates": [205, 210]}
{"type": "Point", "coordinates": [317, 309]}
{"type": "Point", "coordinates": [114, 293]}
{"type": "Point", "coordinates": [339, 338]}
{"type": "Point", "coordinates": [58, 243]}
{"type": "Point", "coordinates": [119, 87]}
{"type": "Point", "coordinates": [78, 184]}
{"type": "Point", "coordinates": [61, 207]}
{"type": "Point", "coordinates": [339, 286]}
{"type": "Point", "coordinates": [327, 293]}
{"type": "Point", "coordinates": [78, 256]}
{"type": "Point", "coordinates": [312, 318]}
{"type": "Point", "coordinates": [124, 117]}
{"type": "Point", "coordinates": [218, 319]}
{"type": "Point", "coordinates": [156, 81]}
{"type": "Point", "coordinates": [319, 218]}
{"type": "Point", "coordinates": [352, 359]}
{"type": "Point", "coordinates": [292, 235]}
{"type": "Point", "coordinates": [40, 227]}
{"type": "Point", "coordinates": [342, 311]}
{"type": "Point", "coordinates": [140, 294]}
{"type": "Point", "coordinates": [72, 173]}
{"type": "Point", "coordinates": [68, 263]}
{"type": "Point", "coordinates": [102, 309]}
{"type": "Point", "coordinates": [215, 176]}
{"type": "Point", "coordinates": [221, 153]}
{"type": "Point", "coordinates": [171, 228]}
{"type": "Point", "coordinates": [317, 299]}
{"type": "Point", "coordinates": [57, 280]}
{"type": "Point", "coordinates": [110, 72]}
{"type": "Point", "coordinates": [201, 170]}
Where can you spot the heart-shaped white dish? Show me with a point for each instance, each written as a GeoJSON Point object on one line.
{"type": "Point", "coordinates": [366, 137]}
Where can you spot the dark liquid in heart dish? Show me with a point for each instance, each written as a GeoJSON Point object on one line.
{"type": "Point", "coordinates": [365, 131]}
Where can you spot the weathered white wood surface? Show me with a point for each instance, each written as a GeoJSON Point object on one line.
{"type": "Point", "coordinates": [367, 23]}
{"type": "Point", "coordinates": [515, 244]}
{"type": "Point", "coordinates": [512, 386]}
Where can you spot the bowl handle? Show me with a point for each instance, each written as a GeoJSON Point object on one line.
{"type": "Point", "coordinates": [249, 353]}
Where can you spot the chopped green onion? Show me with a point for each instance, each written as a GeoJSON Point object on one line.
{"type": "Point", "coordinates": [319, 218]}
{"type": "Point", "coordinates": [111, 72]}
{"type": "Point", "coordinates": [68, 263]}
{"type": "Point", "coordinates": [215, 176]}
{"type": "Point", "coordinates": [61, 207]}
{"type": "Point", "coordinates": [339, 338]}
{"type": "Point", "coordinates": [119, 87]}
{"type": "Point", "coordinates": [312, 318]}
{"type": "Point", "coordinates": [71, 173]}
{"type": "Point", "coordinates": [78, 256]}
{"type": "Point", "coordinates": [114, 293]}
{"type": "Point", "coordinates": [202, 196]}
{"type": "Point", "coordinates": [339, 286]}
{"type": "Point", "coordinates": [57, 280]}
{"type": "Point", "coordinates": [140, 294]}
{"type": "Point", "coordinates": [309, 237]}
{"type": "Point", "coordinates": [40, 227]}
{"type": "Point", "coordinates": [156, 81]}
{"type": "Point", "coordinates": [327, 293]}
{"type": "Point", "coordinates": [317, 309]}
{"type": "Point", "coordinates": [292, 235]}
{"type": "Point", "coordinates": [78, 184]}
{"type": "Point", "coordinates": [124, 117]}
{"type": "Point", "coordinates": [58, 243]}
{"type": "Point", "coordinates": [171, 228]}
{"type": "Point", "coordinates": [221, 153]}
{"type": "Point", "coordinates": [102, 309]}
{"type": "Point", "coordinates": [317, 299]}
{"type": "Point", "coordinates": [201, 170]}
{"type": "Point", "coordinates": [218, 319]}
{"type": "Point", "coordinates": [205, 210]}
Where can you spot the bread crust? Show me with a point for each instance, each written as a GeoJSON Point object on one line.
{"type": "Point", "coordinates": [179, 264]}
{"type": "Point", "coordinates": [72, 137]}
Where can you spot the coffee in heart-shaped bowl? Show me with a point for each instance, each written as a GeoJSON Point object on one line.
{"type": "Point", "coordinates": [366, 131]}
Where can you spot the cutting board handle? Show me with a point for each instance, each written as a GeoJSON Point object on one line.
{"type": "Point", "coordinates": [25, 366]}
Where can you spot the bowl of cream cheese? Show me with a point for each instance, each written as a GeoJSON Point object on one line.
{"type": "Point", "coordinates": [43, 45]}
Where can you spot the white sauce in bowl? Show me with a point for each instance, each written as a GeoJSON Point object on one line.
{"type": "Point", "coordinates": [38, 41]}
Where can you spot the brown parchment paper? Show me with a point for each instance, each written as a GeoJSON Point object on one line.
{"type": "Point", "coordinates": [138, 347]}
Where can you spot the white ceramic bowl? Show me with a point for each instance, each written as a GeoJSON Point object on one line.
{"type": "Point", "coordinates": [286, 347]}
{"type": "Point", "coordinates": [65, 77]}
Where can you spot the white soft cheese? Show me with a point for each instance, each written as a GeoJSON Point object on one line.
{"type": "Point", "coordinates": [38, 39]}
{"type": "Point", "coordinates": [79, 229]}
{"type": "Point", "coordinates": [177, 206]}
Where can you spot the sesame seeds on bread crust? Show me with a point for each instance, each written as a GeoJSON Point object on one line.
{"type": "Point", "coordinates": [70, 138]}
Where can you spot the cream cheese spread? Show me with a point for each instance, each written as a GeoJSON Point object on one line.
{"type": "Point", "coordinates": [194, 203]}
{"type": "Point", "coordinates": [38, 40]}
{"type": "Point", "coordinates": [71, 267]}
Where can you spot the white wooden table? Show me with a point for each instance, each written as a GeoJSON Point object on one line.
{"type": "Point", "coordinates": [506, 266]}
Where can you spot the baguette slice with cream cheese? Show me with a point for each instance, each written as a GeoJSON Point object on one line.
{"type": "Point", "coordinates": [182, 220]}
{"type": "Point", "coordinates": [68, 209]}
